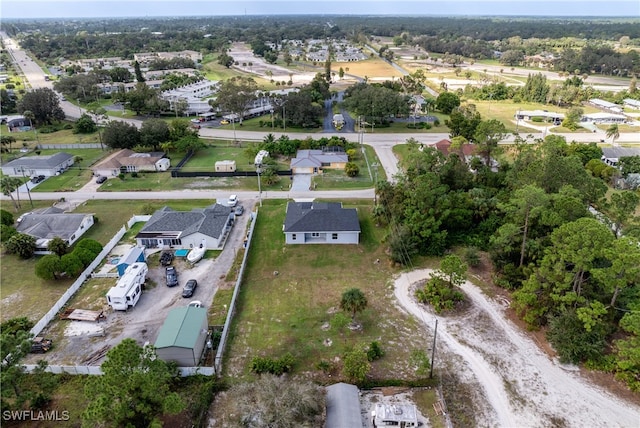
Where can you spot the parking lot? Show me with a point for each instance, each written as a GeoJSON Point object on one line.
{"type": "Point", "coordinates": [142, 322]}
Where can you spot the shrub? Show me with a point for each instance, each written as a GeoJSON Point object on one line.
{"type": "Point", "coordinates": [6, 232]}
{"type": "Point", "coordinates": [134, 174]}
{"type": "Point", "coordinates": [472, 257]}
{"type": "Point", "coordinates": [275, 366]}
{"type": "Point", "coordinates": [437, 293]}
{"type": "Point", "coordinates": [6, 218]}
{"type": "Point", "coordinates": [374, 352]}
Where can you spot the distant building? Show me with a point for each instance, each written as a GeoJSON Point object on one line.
{"type": "Point", "coordinates": [605, 105]}
{"type": "Point", "coordinates": [30, 166]}
{"type": "Point", "coordinates": [631, 103]}
{"type": "Point", "coordinates": [129, 161]}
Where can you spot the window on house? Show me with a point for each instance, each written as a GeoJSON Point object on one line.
{"type": "Point", "coordinates": [293, 236]}
{"type": "Point", "coordinates": [334, 236]}
{"type": "Point", "coordinates": [315, 234]}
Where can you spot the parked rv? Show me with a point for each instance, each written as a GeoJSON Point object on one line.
{"type": "Point", "coordinates": [128, 289]}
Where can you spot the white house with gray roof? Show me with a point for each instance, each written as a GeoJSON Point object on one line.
{"type": "Point", "coordinates": [29, 166]}
{"type": "Point", "coordinates": [321, 223]}
{"type": "Point", "coordinates": [168, 228]}
{"type": "Point", "coordinates": [44, 225]}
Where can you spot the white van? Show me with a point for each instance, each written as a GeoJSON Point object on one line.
{"type": "Point", "coordinates": [233, 200]}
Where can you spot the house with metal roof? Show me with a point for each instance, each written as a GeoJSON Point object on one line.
{"type": "Point", "coordinates": [44, 225]}
{"type": "Point", "coordinates": [47, 165]}
{"type": "Point", "coordinates": [314, 161]}
{"type": "Point", "coordinates": [404, 415]}
{"type": "Point", "coordinates": [321, 223]}
{"type": "Point", "coordinates": [631, 103]}
{"type": "Point", "coordinates": [603, 117]}
{"type": "Point", "coordinates": [183, 336]}
{"type": "Point", "coordinates": [168, 228]}
{"type": "Point", "coordinates": [343, 406]}
{"type": "Point", "coordinates": [605, 105]}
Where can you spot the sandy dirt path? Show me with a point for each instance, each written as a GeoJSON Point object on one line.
{"type": "Point", "coordinates": [523, 387]}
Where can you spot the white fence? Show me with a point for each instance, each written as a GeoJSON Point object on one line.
{"type": "Point", "coordinates": [69, 146]}
{"type": "Point", "coordinates": [105, 275]}
{"type": "Point", "coordinates": [97, 370]}
{"type": "Point", "coordinates": [40, 325]}
{"type": "Point", "coordinates": [136, 218]}
{"type": "Point", "coordinates": [232, 306]}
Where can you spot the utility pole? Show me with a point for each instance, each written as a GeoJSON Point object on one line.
{"type": "Point", "coordinates": [433, 349]}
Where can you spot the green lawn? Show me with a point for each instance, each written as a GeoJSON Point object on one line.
{"type": "Point", "coordinates": [76, 176]}
{"type": "Point", "coordinates": [336, 179]}
{"type": "Point", "coordinates": [286, 312]}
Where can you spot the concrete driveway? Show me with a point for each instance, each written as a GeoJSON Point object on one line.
{"type": "Point", "coordinates": [301, 183]}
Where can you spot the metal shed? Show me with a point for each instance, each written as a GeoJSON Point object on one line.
{"type": "Point", "coordinates": [183, 336]}
{"type": "Point", "coordinates": [135, 254]}
{"type": "Point", "coordinates": [343, 406]}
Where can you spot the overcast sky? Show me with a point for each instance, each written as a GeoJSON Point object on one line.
{"type": "Point", "coordinates": [119, 8]}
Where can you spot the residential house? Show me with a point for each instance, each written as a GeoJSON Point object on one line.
{"type": "Point", "coordinates": [187, 229]}
{"type": "Point", "coordinates": [321, 223]}
{"type": "Point", "coordinates": [52, 222]}
{"type": "Point", "coordinates": [47, 165]}
{"type": "Point", "coordinates": [129, 161]}
{"type": "Point", "coordinates": [631, 103]}
{"type": "Point", "coordinates": [18, 124]}
{"type": "Point", "coordinates": [611, 155]}
{"type": "Point", "coordinates": [544, 115]}
{"type": "Point", "coordinates": [603, 117]}
{"type": "Point", "coordinates": [314, 161]}
{"type": "Point", "coordinates": [605, 105]}
{"type": "Point", "coordinates": [183, 336]}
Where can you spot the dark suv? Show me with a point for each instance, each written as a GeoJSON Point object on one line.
{"type": "Point", "coordinates": [172, 276]}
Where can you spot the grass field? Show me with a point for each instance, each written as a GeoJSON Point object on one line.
{"type": "Point", "coordinates": [293, 311]}
{"type": "Point", "coordinates": [371, 68]}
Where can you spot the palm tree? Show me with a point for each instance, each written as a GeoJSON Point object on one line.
{"type": "Point", "coordinates": [614, 133]}
{"type": "Point", "coordinates": [8, 185]}
{"type": "Point", "coordinates": [354, 301]}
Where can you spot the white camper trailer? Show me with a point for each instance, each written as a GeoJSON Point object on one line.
{"type": "Point", "coordinates": [127, 291]}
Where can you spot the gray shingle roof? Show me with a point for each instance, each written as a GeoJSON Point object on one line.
{"type": "Point", "coordinates": [48, 226]}
{"type": "Point", "coordinates": [619, 152]}
{"type": "Point", "coordinates": [209, 221]}
{"type": "Point", "coordinates": [320, 217]}
{"type": "Point", "coordinates": [40, 161]}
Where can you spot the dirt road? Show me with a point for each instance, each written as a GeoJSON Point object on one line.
{"type": "Point", "coordinates": [521, 386]}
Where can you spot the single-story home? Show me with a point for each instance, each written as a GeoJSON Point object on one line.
{"type": "Point", "coordinates": [343, 406]}
{"type": "Point", "coordinates": [18, 124]}
{"type": "Point", "coordinates": [225, 166]}
{"type": "Point", "coordinates": [187, 229]}
{"type": "Point", "coordinates": [52, 222]}
{"type": "Point", "coordinates": [314, 161]}
{"type": "Point", "coordinates": [134, 255]}
{"type": "Point", "coordinates": [29, 166]}
{"type": "Point", "coordinates": [603, 117]}
{"type": "Point", "coordinates": [611, 155]}
{"type": "Point", "coordinates": [605, 105]}
{"type": "Point", "coordinates": [183, 336]}
{"type": "Point", "coordinates": [321, 223]}
{"type": "Point", "coordinates": [547, 116]}
{"type": "Point", "coordinates": [129, 161]}
{"type": "Point", "coordinates": [631, 103]}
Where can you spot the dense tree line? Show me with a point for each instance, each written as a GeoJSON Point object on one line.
{"type": "Point", "coordinates": [573, 273]}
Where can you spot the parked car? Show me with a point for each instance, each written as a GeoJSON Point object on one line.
{"type": "Point", "coordinates": [239, 210]}
{"type": "Point", "coordinates": [166, 258]}
{"type": "Point", "coordinates": [233, 200]}
{"type": "Point", "coordinates": [189, 288]}
{"type": "Point", "coordinates": [172, 276]}
{"type": "Point", "coordinates": [101, 179]}
{"type": "Point", "coordinates": [224, 122]}
{"type": "Point", "coordinates": [37, 179]}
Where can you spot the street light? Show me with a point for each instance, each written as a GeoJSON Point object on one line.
{"type": "Point", "coordinates": [259, 170]}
